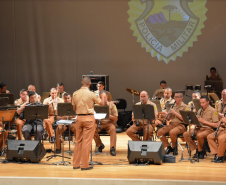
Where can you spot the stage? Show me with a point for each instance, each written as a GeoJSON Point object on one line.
{"type": "Point", "coordinates": [115, 169]}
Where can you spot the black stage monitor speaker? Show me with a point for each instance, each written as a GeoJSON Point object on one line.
{"type": "Point", "coordinates": [25, 150]}
{"type": "Point", "coordinates": [96, 78]}
{"type": "Point", "coordinates": [144, 151]}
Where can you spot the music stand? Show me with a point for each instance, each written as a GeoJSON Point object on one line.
{"type": "Point", "coordinates": [4, 101]}
{"type": "Point", "coordinates": [144, 112]}
{"type": "Point", "coordinates": [189, 118]}
{"type": "Point", "coordinates": [10, 96]}
{"type": "Point", "coordinates": [168, 107]}
{"type": "Point", "coordinates": [101, 113]}
{"type": "Point", "coordinates": [5, 115]}
{"type": "Point", "coordinates": [158, 105]}
{"type": "Point", "coordinates": [197, 104]}
{"type": "Point", "coordinates": [35, 112]}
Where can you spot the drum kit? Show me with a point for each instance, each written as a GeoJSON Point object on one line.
{"type": "Point", "coordinates": [133, 92]}
{"type": "Point", "coordinates": [193, 87]}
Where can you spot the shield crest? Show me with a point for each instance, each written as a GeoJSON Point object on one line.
{"type": "Point", "coordinates": [167, 28]}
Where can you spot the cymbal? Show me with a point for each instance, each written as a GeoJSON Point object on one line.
{"type": "Point", "coordinates": [132, 91]}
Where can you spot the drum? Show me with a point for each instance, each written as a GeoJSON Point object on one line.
{"type": "Point", "coordinates": [189, 87]}
{"type": "Point", "coordinates": [197, 87]}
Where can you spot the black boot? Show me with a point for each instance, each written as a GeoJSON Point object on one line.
{"type": "Point", "coordinates": [174, 151]}
{"type": "Point", "coordinates": [219, 159]}
{"type": "Point", "coordinates": [52, 140]}
{"type": "Point", "coordinates": [112, 151]}
{"type": "Point", "coordinates": [196, 154]}
{"type": "Point", "coordinates": [101, 147]}
{"type": "Point", "coordinates": [169, 149]}
{"type": "Point", "coordinates": [201, 155]}
{"type": "Point", "coordinates": [214, 159]}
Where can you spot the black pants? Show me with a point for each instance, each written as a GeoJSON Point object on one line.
{"type": "Point", "coordinates": [26, 130]}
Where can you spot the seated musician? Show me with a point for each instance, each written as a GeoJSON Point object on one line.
{"type": "Point", "coordinates": [220, 105]}
{"type": "Point", "coordinates": [213, 75]}
{"type": "Point", "coordinates": [3, 89]}
{"type": "Point", "coordinates": [131, 131]}
{"type": "Point", "coordinates": [60, 128]}
{"type": "Point", "coordinates": [32, 88]}
{"type": "Point", "coordinates": [24, 99]}
{"type": "Point", "coordinates": [109, 126]}
{"type": "Point", "coordinates": [31, 124]}
{"type": "Point", "coordinates": [159, 94]}
{"type": "Point", "coordinates": [1, 136]}
{"type": "Point", "coordinates": [218, 148]}
{"type": "Point", "coordinates": [100, 87]}
{"type": "Point", "coordinates": [52, 102]}
{"type": "Point", "coordinates": [195, 95]}
{"type": "Point", "coordinates": [208, 117]}
{"type": "Point", "coordinates": [176, 125]}
{"type": "Point", "coordinates": [60, 90]}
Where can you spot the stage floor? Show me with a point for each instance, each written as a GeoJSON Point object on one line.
{"type": "Point", "coordinates": [119, 168]}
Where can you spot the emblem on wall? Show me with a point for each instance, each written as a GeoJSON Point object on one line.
{"type": "Point", "coordinates": [167, 28]}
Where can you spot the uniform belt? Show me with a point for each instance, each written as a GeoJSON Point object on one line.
{"type": "Point", "coordinates": [84, 114]}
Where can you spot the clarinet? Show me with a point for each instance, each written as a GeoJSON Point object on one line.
{"type": "Point", "coordinates": [164, 121]}
{"type": "Point", "coordinates": [215, 134]}
{"type": "Point", "coordinates": [195, 125]}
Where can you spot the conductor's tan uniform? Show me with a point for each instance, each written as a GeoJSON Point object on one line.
{"type": "Point", "coordinates": [84, 100]}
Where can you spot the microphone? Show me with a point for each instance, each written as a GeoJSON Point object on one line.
{"type": "Point", "coordinates": [207, 85]}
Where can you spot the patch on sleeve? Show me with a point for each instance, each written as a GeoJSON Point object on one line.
{"type": "Point", "coordinates": [187, 109]}
{"type": "Point", "coordinates": [155, 107]}
{"type": "Point", "coordinates": [215, 114]}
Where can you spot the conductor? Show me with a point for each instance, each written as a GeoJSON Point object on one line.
{"type": "Point", "coordinates": [83, 104]}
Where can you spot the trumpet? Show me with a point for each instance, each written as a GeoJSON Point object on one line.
{"type": "Point", "coordinates": [193, 133]}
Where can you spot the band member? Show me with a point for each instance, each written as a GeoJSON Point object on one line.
{"type": "Point", "coordinates": [208, 117]}
{"type": "Point", "coordinates": [218, 149]}
{"type": "Point", "coordinates": [1, 136]}
{"type": "Point", "coordinates": [83, 103]}
{"type": "Point", "coordinates": [100, 87]}
{"type": "Point", "coordinates": [31, 124]}
{"type": "Point", "coordinates": [159, 93]}
{"type": "Point", "coordinates": [220, 105]}
{"type": "Point", "coordinates": [109, 126]}
{"type": "Point", "coordinates": [32, 88]}
{"type": "Point", "coordinates": [60, 90]}
{"type": "Point", "coordinates": [52, 102]}
{"type": "Point", "coordinates": [24, 99]}
{"type": "Point", "coordinates": [3, 89]}
{"type": "Point", "coordinates": [195, 95]}
{"type": "Point", "coordinates": [176, 125]}
{"type": "Point", "coordinates": [60, 128]}
{"type": "Point", "coordinates": [131, 132]}
{"type": "Point", "coordinates": [213, 75]}
{"type": "Point", "coordinates": [167, 99]}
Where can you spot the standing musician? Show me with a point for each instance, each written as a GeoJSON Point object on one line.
{"type": "Point", "coordinates": [52, 102]}
{"type": "Point", "coordinates": [195, 95]}
{"type": "Point", "coordinates": [109, 126]}
{"type": "Point", "coordinates": [60, 90]}
{"type": "Point", "coordinates": [32, 88]}
{"type": "Point", "coordinates": [3, 88]}
{"type": "Point", "coordinates": [213, 75]}
{"type": "Point", "coordinates": [208, 117]}
{"type": "Point", "coordinates": [131, 131]}
{"type": "Point", "coordinates": [60, 128]}
{"type": "Point", "coordinates": [100, 87]}
{"type": "Point", "coordinates": [24, 99]}
{"type": "Point", "coordinates": [31, 124]}
{"type": "Point", "coordinates": [176, 125]}
{"type": "Point", "coordinates": [83, 103]}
